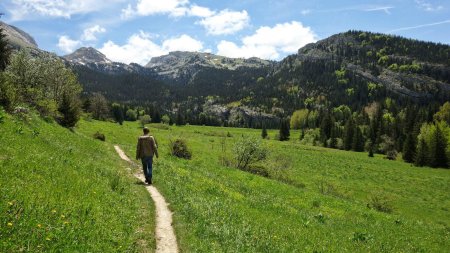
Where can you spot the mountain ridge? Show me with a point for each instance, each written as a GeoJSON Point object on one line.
{"type": "Point", "coordinates": [352, 68]}
{"type": "Point", "coordinates": [17, 37]}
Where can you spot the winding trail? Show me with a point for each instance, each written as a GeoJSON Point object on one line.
{"type": "Point", "coordinates": [166, 242]}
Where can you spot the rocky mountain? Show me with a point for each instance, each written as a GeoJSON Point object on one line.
{"type": "Point", "coordinates": [17, 37]}
{"type": "Point", "coordinates": [182, 67]}
{"type": "Point", "coordinates": [93, 59]}
{"type": "Point", "coordinates": [355, 68]}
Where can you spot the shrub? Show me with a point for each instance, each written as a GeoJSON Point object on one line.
{"type": "Point", "coordinates": [248, 151]}
{"type": "Point", "coordinates": [2, 114]}
{"type": "Point", "coordinates": [180, 149]}
{"type": "Point", "coordinates": [327, 188]}
{"type": "Point", "coordinates": [391, 154]}
{"type": "Point", "coordinates": [145, 119]}
{"type": "Point", "coordinates": [165, 119]}
{"type": "Point", "coordinates": [381, 203]}
{"type": "Point", "coordinates": [99, 136]}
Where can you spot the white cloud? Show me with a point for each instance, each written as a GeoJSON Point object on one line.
{"type": "Point", "coordinates": [174, 8]}
{"type": "Point", "coordinates": [182, 43]}
{"type": "Point", "coordinates": [225, 22]}
{"type": "Point", "coordinates": [140, 48]}
{"type": "Point", "coordinates": [89, 34]}
{"type": "Point", "coordinates": [68, 45]}
{"type": "Point", "coordinates": [270, 42]}
{"type": "Point", "coordinates": [199, 11]}
{"type": "Point", "coordinates": [25, 9]}
{"type": "Point", "coordinates": [424, 5]}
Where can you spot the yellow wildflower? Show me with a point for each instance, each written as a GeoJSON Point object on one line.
{"type": "Point", "coordinates": [39, 225]}
{"type": "Point", "coordinates": [10, 224]}
{"type": "Point", "coordinates": [10, 203]}
{"type": "Point", "coordinates": [48, 239]}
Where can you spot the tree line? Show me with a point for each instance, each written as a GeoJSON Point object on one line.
{"type": "Point", "coordinates": [420, 134]}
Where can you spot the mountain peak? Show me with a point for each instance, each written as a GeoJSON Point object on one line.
{"type": "Point", "coordinates": [18, 38]}
{"type": "Point", "coordinates": [87, 55]}
{"type": "Point", "coordinates": [181, 66]}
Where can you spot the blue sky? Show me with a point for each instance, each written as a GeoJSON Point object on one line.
{"type": "Point", "coordinates": [136, 30]}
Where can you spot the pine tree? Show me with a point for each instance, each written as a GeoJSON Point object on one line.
{"type": "Point", "coordinates": [325, 127]}
{"type": "Point", "coordinates": [156, 117]}
{"type": "Point", "coordinates": [349, 133]}
{"type": "Point", "coordinates": [70, 111]}
{"type": "Point", "coordinates": [118, 114]}
{"type": "Point", "coordinates": [371, 150]}
{"type": "Point", "coordinates": [333, 139]}
{"type": "Point", "coordinates": [284, 130]}
{"type": "Point", "coordinates": [440, 145]}
{"type": "Point", "coordinates": [180, 119]}
{"type": "Point", "coordinates": [358, 140]}
{"type": "Point", "coordinates": [264, 132]}
{"type": "Point", "coordinates": [409, 148]}
{"type": "Point", "coordinates": [421, 158]}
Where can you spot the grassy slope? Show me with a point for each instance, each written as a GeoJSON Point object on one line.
{"type": "Point", "coordinates": [221, 209]}
{"type": "Point", "coordinates": [65, 192]}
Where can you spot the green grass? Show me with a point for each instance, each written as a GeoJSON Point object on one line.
{"type": "Point", "coordinates": [316, 200]}
{"type": "Point", "coordinates": [65, 192]}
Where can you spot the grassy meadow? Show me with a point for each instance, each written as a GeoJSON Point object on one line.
{"type": "Point", "coordinates": [314, 199]}
{"type": "Point", "coordinates": [61, 191]}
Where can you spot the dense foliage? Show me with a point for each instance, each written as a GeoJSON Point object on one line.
{"type": "Point", "coordinates": [44, 83]}
{"type": "Point", "coordinates": [356, 91]}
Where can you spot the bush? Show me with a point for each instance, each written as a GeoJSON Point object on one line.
{"type": "Point", "coordinates": [99, 136]}
{"type": "Point", "coordinates": [248, 151]}
{"type": "Point", "coordinates": [381, 203]}
{"type": "Point", "coordinates": [2, 114]}
{"type": "Point", "coordinates": [180, 149]}
{"type": "Point", "coordinates": [145, 119]}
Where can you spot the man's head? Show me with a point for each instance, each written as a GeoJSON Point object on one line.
{"type": "Point", "coordinates": [146, 130]}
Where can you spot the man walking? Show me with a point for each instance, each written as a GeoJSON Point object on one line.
{"type": "Point", "coordinates": [146, 149]}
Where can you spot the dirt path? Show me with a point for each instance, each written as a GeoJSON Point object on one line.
{"type": "Point", "coordinates": [165, 235]}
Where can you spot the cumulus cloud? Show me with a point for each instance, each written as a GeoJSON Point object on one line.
{"type": "Point", "coordinates": [182, 43]}
{"type": "Point", "coordinates": [140, 48]}
{"type": "Point", "coordinates": [174, 8]}
{"type": "Point", "coordinates": [199, 11]}
{"type": "Point", "coordinates": [25, 9]}
{"type": "Point", "coordinates": [89, 34]}
{"type": "Point", "coordinates": [68, 45]}
{"type": "Point", "coordinates": [225, 22]}
{"type": "Point", "coordinates": [270, 42]}
{"type": "Point", "coordinates": [216, 23]}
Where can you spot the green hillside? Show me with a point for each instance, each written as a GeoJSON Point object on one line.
{"type": "Point", "coordinates": [313, 200]}
{"type": "Point", "coordinates": [65, 192]}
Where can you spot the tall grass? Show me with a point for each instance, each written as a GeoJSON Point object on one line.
{"type": "Point", "coordinates": [317, 199]}
{"type": "Point", "coordinates": [65, 192]}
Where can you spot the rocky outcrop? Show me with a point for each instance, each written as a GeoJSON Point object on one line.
{"type": "Point", "coordinates": [17, 37]}
{"type": "Point", "coordinates": [181, 67]}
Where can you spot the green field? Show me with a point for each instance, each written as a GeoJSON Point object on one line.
{"type": "Point", "coordinates": [315, 200]}
{"type": "Point", "coordinates": [65, 192]}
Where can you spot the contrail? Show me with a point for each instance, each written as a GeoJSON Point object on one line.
{"type": "Point", "coordinates": [419, 26]}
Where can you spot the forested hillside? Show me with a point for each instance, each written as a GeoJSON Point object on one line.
{"type": "Point", "coordinates": [356, 91]}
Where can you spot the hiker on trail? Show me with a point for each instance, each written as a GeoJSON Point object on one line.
{"type": "Point", "coordinates": [146, 149]}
